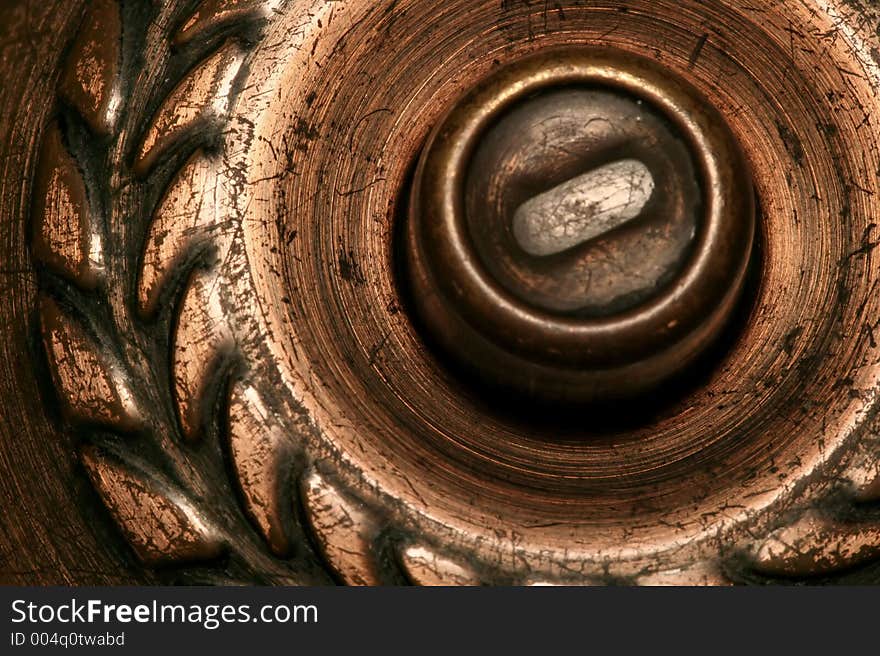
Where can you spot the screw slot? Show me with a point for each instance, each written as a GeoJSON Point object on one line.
{"type": "Point", "coordinates": [587, 206]}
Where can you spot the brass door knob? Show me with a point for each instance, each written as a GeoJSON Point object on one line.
{"type": "Point", "coordinates": [472, 292]}
{"type": "Point", "coordinates": [580, 227]}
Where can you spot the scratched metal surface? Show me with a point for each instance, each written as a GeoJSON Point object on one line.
{"type": "Point", "coordinates": [211, 371]}
{"type": "Point", "coordinates": [53, 530]}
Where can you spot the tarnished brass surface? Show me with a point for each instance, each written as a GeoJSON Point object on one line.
{"type": "Point", "coordinates": [644, 299]}
{"type": "Point", "coordinates": [220, 364]}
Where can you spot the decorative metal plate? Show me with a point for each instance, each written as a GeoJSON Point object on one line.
{"type": "Point", "coordinates": [220, 202]}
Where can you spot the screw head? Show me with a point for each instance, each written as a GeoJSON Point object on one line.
{"type": "Point", "coordinates": [580, 227]}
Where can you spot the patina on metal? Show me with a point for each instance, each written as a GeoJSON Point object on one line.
{"type": "Point", "coordinates": [650, 252]}
{"type": "Point", "coordinates": [226, 349]}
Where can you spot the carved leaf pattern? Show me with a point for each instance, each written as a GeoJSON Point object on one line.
{"type": "Point", "coordinates": [863, 474]}
{"type": "Point", "coordinates": [701, 574]}
{"type": "Point", "coordinates": [92, 389]}
{"type": "Point", "coordinates": [190, 217]}
{"type": "Point", "coordinates": [424, 566]}
{"type": "Point", "coordinates": [258, 450]}
{"type": "Point", "coordinates": [816, 545]}
{"type": "Point", "coordinates": [344, 530]}
{"type": "Point", "coordinates": [159, 523]}
{"type": "Point", "coordinates": [201, 98]}
{"type": "Point", "coordinates": [90, 82]}
{"type": "Point", "coordinates": [202, 342]}
{"type": "Point", "coordinates": [213, 14]}
{"type": "Point", "coordinates": [63, 236]}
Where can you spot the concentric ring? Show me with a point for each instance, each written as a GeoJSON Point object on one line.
{"type": "Point", "coordinates": [486, 326]}
{"type": "Point", "coordinates": [335, 124]}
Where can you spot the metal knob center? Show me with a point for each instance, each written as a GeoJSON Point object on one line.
{"type": "Point", "coordinates": [582, 201]}
{"type": "Point", "coordinates": [580, 227]}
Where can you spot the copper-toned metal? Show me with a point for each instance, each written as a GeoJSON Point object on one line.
{"type": "Point", "coordinates": [218, 366]}
{"type": "Point", "coordinates": [611, 315]}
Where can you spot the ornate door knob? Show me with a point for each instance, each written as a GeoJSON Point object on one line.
{"type": "Point", "coordinates": [475, 292]}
